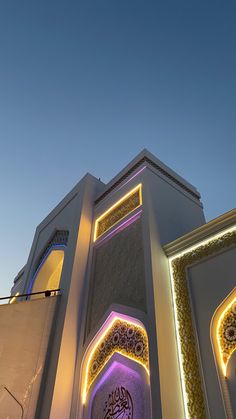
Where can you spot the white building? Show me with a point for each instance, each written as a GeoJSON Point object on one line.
{"type": "Point", "coordinates": [141, 319]}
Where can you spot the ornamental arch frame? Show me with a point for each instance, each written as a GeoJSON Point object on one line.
{"type": "Point", "coordinates": [118, 360]}
{"type": "Point", "coordinates": [224, 347]}
{"type": "Point", "coordinates": [120, 314]}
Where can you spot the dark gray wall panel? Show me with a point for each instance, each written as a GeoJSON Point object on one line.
{"type": "Point", "coordinates": [118, 274]}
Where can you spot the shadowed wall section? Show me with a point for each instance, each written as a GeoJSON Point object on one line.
{"type": "Point", "coordinates": [118, 274]}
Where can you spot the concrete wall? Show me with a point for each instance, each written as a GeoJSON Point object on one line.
{"type": "Point", "coordinates": [25, 331]}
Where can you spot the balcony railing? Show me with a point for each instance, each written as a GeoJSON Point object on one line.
{"type": "Point", "coordinates": [46, 293]}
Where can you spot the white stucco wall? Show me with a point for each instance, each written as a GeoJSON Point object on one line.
{"type": "Point", "coordinates": [24, 329]}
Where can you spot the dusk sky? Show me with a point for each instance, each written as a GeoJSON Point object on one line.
{"type": "Point", "coordinates": [86, 85]}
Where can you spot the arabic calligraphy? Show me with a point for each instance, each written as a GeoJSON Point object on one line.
{"type": "Point", "coordinates": [119, 405]}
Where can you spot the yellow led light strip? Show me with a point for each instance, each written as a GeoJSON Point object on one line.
{"type": "Point", "coordinates": [220, 331]}
{"type": "Point", "coordinates": [177, 266]}
{"type": "Point", "coordinates": [114, 207]}
{"type": "Point", "coordinates": [98, 342]}
{"type": "Point", "coordinates": [13, 299]}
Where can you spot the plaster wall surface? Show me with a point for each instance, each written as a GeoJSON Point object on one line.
{"type": "Point", "coordinates": [175, 210]}
{"type": "Point", "coordinates": [159, 298]}
{"type": "Point", "coordinates": [210, 281]}
{"type": "Point", "coordinates": [25, 330]}
{"type": "Point", "coordinates": [68, 331]}
{"type": "Point", "coordinates": [121, 380]}
{"type": "Point", "coordinates": [73, 214]}
{"type": "Point", "coordinates": [19, 283]}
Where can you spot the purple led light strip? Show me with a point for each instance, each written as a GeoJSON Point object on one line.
{"type": "Point", "coordinates": [132, 177]}
{"type": "Point", "coordinates": [122, 226]}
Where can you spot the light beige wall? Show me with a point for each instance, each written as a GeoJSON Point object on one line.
{"type": "Point", "coordinates": [162, 337]}
{"type": "Point", "coordinates": [24, 329]}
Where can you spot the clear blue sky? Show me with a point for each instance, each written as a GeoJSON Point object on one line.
{"type": "Point", "coordinates": [85, 85]}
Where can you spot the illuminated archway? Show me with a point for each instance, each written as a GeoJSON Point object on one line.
{"type": "Point", "coordinates": [119, 334]}
{"type": "Point", "coordinates": [48, 274]}
{"type": "Point", "coordinates": [223, 332]}
{"type": "Point", "coordinates": [122, 390]}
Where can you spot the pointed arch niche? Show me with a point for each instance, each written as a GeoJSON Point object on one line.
{"type": "Point", "coordinates": [115, 374]}
{"type": "Point", "coordinates": [48, 274]}
{"type": "Point", "coordinates": [223, 338]}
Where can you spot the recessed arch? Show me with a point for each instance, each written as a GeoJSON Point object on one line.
{"type": "Point", "coordinates": [48, 274]}
{"type": "Point", "coordinates": [119, 334]}
{"type": "Point", "coordinates": [122, 390]}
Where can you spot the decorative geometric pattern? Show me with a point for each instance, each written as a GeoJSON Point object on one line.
{"type": "Point", "coordinates": [119, 405]}
{"type": "Point", "coordinates": [190, 364]}
{"type": "Point", "coordinates": [227, 333]}
{"type": "Point", "coordinates": [119, 261]}
{"type": "Point", "coordinates": [123, 337]}
{"type": "Point", "coordinates": [117, 212]}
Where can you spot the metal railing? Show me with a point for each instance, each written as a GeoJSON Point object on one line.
{"type": "Point", "coordinates": [47, 293]}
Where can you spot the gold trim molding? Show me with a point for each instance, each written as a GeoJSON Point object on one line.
{"type": "Point", "coordinates": [125, 338]}
{"type": "Point", "coordinates": [127, 204]}
{"type": "Point", "coordinates": [195, 404]}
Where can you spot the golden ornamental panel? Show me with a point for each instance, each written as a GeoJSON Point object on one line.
{"type": "Point", "coordinates": [125, 338]}
{"type": "Point", "coordinates": [118, 211]}
{"type": "Point", "coordinates": [196, 405]}
{"type": "Point", "coordinates": [227, 333]}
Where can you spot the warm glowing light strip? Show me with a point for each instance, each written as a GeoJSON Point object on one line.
{"type": "Point", "coordinates": [98, 342]}
{"type": "Point", "coordinates": [121, 227]}
{"type": "Point", "coordinates": [223, 364]}
{"type": "Point", "coordinates": [13, 299]}
{"type": "Point", "coordinates": [180, 356]}
{"type": "Point", "coordinates": [114, 206]}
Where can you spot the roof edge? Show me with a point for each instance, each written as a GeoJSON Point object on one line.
{"type": "Point", "coordinates": [201, 233]}
{"type": "Point", "coordinates": [146, 157]}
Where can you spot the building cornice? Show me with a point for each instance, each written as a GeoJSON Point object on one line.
{"type": "Point", "coordinates": [145, 157]}
{"type": "Point", "coordinates": [201, 233]}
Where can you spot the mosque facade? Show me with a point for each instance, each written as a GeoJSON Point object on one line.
{"type": "Point", "coordinates": [126, 307]}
